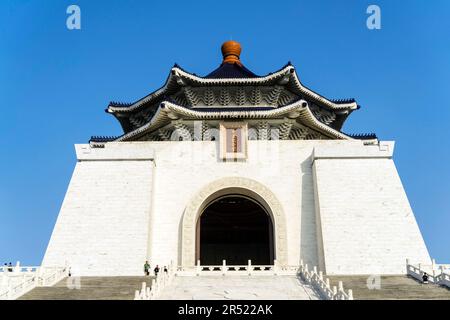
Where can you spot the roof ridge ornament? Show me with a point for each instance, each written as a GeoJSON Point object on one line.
{"type": "Point", "coordinates": [231, 51]}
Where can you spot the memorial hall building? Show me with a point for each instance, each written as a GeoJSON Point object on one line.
{"type": "Point", "coordinates": [235, 166]}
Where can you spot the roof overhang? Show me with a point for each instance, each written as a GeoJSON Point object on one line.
{"type": "Point", "coordinates": [179, 78]}
{"type": "Point", "coordinates": [168, 111]}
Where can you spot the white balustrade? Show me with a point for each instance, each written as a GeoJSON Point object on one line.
{"type": "Point", "coordinates": [322, 285]}
{"type": "Point", "coordinates": [445, 279]}
{"type": "Point", "coordinates": [438, 274]}
{"type": "Point", "coordinates": [157, 285]}
{"type": "Point", "coordinates": [224, 269]}
{"type": "Point", "coordinates": [18, 280]}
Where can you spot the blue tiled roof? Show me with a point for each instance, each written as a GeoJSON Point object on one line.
{"type": "Point", "coordinates": [102, 139]}
{"type": "Point", "coordinates": [363, 136]}
{"type": "Point", "coordinates": [120, 104]}
{"type": "Point", "coordinates": [343, 101]}
{"type": "Point", "coordinates": [231, 70]}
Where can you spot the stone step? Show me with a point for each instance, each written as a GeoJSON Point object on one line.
{"type": "Point", "coordinates": [90, 288]}
{"type": "Point", "coordinates": [392, 288]}
{"type": "Point", "coordinates": [238, 288]}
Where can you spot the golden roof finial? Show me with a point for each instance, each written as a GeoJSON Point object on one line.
{"type": "Point", "coordinates": [231, 51]}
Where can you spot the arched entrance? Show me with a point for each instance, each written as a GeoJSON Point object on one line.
{"type": "Point", "coordinates": [234, 228]}
{"type": "Point", "coordinates": [225, 187]}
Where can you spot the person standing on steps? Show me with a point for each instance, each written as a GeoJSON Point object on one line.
{"type": "Point", "coordinates": [425, 278]}
{"type": "Point", "coordinates": [156, 270]}
{"type": "Point", "coordinates": [165, 269]}
{"type": "Point", "coordinates": [147, 268]}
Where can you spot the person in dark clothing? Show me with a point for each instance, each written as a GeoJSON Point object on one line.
{"type": "Point", "coordinates": [425, 278]}
{"type": "Point", "coordinates": [10, 267]}
{"type": "Point", "coordinates": [156, 270]}
{"type": "Point", "coordinates": [165, 269]}
{"type": "Point", "coordinates": [147, 268]}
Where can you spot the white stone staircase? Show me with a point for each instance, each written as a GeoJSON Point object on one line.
{"type": "Point", "coordinates": [219, 287]}
{"type": "Point", "coordinates": [243, 282]}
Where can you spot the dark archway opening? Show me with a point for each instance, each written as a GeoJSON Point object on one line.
{"type": "Point", "coordinates": [236, 229]}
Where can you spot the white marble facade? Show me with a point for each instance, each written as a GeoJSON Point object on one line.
{"type": "Point", "coordinates": [337, 204]}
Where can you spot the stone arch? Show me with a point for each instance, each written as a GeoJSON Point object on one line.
{"type": "Point", "coordinates": [232, 185]}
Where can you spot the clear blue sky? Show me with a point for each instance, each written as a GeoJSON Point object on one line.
{"type": "Point", "coordinates": [56, 83]}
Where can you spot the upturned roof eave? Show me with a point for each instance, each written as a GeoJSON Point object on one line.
{"type": "Point", "coordinates": [168, 111]}
{"type": "Point", "coordinates": [177, 75]}
{"type": "Point", "coordinates": [178, 72]}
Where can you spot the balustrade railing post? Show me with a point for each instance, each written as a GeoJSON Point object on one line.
{"type": "Point", "coordinates": [350, 294]}
{"type": "Point", "coordinates": [275, 266]}
{"type": "Point", "coordinates": [224, 267]}
{"type": "Point", "coordinates": [17, 267]}
{"type": "Point", "coordinates": [198, 269]}
{"type": "Point", "coordinates": [41, 273]}
{"type": "Point", "coordinates": [327, 285]}
{"type": "Point", "coordinates": [249, 267]}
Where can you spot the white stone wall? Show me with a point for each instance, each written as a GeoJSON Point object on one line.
{"type": "Point", "coordinates": [126, 201]}
{"type": "Point", "coordinates": [363, 213]}
{"type": "Point", "coordinates": [183, 169]}
{"type": "Point", "coordinates": [102, 228]}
